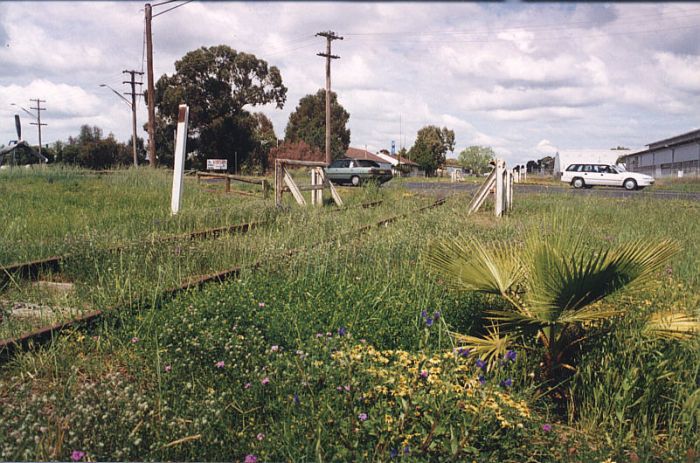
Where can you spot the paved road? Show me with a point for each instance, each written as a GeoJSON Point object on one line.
{"type": "Point", "coordinates": [443, 188]}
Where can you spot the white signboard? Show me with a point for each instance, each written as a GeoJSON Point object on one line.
{"type": "Point", "coordinates": [179, 164]}
{"type": "Point", "coordinates": [217, 164]}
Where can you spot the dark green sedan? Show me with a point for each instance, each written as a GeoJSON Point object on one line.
{"type": "Point", "coordinates": [357, 171]}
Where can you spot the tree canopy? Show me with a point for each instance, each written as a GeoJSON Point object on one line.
{"type": "Point", "coordinates": [216, 83]}
{"type": "Point", "coordinates": [308, 124]}
{"type": "Point", "coordinates": [93, 150]}
{"type": "Point", "coordinates": [431, 146]}
{"type": "Point", "coordinates": [476, 158]}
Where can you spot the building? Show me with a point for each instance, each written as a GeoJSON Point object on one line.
{"type": "Point", "coordinates": [565, 158]}
{"type": "Point", "coordinates": [400, 166]}
{"type": "Point", "coordinates": [677, 155]}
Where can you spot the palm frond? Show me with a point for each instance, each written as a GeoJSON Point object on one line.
{"type": "Point", "coordinates": [490, 348]}
{"type": "Point", "coordinates": [562, 283]}
{"type": "Point", "coordinates": [672, 325]}
{"type": "Point", "coordinates": [469, 265]}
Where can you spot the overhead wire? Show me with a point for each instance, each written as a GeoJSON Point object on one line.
{"type": "Point", "coordinates": [171, 9]}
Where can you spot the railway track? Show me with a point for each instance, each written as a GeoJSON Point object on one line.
{"type": "Point", "coordinates": [32, 269]}
{"type": "Point", "coordinates": [9, 347]}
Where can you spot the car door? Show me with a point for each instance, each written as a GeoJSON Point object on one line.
{"type": "Point", "coordinates": [614, 177]}
{"type": "Point", "coordinates": [588, 172]}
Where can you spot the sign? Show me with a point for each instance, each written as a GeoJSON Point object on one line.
{"type": "Point", "coordinates": [217, 164]}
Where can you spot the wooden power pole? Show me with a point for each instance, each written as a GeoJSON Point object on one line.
{"type": "Point", "coordinates": [151, 91]}
{"type": "Point", "coordinates": [330, 36]}
{"type": "Point", "coordinates": [133, 109]}
{"type": "Point", "coordinates": [38, 123]}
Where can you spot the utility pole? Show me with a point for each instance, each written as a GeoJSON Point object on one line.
{"type": "Point", "coordinates": [133, 109]}
{"type": "Point", "coordinates": [38, 123]}
{"type": "Point", "coordinates": [330, 36]}
{"type": "Point", "coordinates": [151, 90]}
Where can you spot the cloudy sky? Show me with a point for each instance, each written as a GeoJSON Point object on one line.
{"type": "Point", "coordinates": [526, 79]}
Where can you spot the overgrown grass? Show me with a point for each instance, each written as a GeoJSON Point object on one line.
{"type": "Point", "coordinates": [144, 384]}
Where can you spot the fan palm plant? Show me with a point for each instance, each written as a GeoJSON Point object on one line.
{"type": "Point", "coordinates": [552, 285]}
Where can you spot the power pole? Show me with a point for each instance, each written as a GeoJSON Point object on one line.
{"type": "Point", "coordinates": [38, 123]}
{"type": "Point", "coordinates": [151, 90]}
{"type": "Point", "coordinates": [330, 36]}
{"type": "Point", "coordinates": [133, 109]}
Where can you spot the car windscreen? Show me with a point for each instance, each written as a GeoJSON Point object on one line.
{"type": "Point", "coordinates": [365, 163]}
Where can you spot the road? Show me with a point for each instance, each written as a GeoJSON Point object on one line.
{"type": "Point", "coordinates": [442, 188]}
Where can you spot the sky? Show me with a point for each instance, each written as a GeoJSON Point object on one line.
{"type": "Point", "coordinates": [526, 79]}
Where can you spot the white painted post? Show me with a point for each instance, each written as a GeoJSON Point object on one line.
{"type": "Point", "coordinates": [500, 197]}
{"type": "Point", "coordinates": [524, 171]}
{"type": "Point", "coordinates": [316, 195]}
{"type": "Point", "coordinates": [509, 195]}
{"type": "Point", "coordinates": [179, 164]}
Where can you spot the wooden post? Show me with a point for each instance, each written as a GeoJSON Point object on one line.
{"type": "Point", "coordinates": [265, 189]}
{"type": "Point", "coordinates": [316, 195]}
{"type": "Point", "coordinates": [228, 184]}
{"type": "Point", "coordinates": [179, 163]}
{"type": "Point", "coordinates": [500, 199]}
{"type": "Point", "coordinates": [278, 184]}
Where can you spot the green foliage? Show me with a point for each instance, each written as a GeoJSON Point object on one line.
{"type": "Point", "coordinates": [216, 83]}
{"type": "Point", "coordinates": [476, 158]}
{"type": "Point", "coordinates": [307, 123]}
{"type": "Point", "coordinates": [552, 288]}
{"type": "Point", "coordinates": [431, 147]}
{"type": "Point", "coordinates": [90, 149]}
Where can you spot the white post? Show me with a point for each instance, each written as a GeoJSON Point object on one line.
{"type": "Point", "coordinates": [509, 195]}
{"type": "Point", "coordinates": [500, 197]}
{"type": "Point", "coordinates": [316, 195]}
{"type": "Point", "coordinates": [524, 171]}
{"type": "Point", "coordinates": [179, 164]}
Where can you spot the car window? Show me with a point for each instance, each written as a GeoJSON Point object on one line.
{"type": "Point", "coordinates": [587, 168]}
{"type": "Point", "coordinates": [365, 163]}
{"type": "Point", "coordinates": [337, 163]}
{"type": "Point", "coordinates": [604, 169]}
{"type": "Point", "coordinates": [613, 170]}
{"type": "Point", "coordinates": [573, 168]}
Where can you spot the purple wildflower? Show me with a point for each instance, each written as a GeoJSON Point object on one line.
{"type": "Point", "coordinates": [296, 399]}
{"type": "Point", "coordinates": [429, 322]}
{"type": "Point", "coordinates": [247, 386]}
{"type": "Point", "coordinates": [342, 331]}
{"type": "Point", "coordinates": [546, 427]}
{"type": "Point", "coordinates": [507, 383]}
{"type": "Point", "coordinates": [260, 436]}
{"type": "Point", "coordinates": [339, 388]}
{"type": "Point", "coordinates": [265, 381]}
{"type": "Point", "coordinates": [362, 416]}
{"type": "Point", "coordinates": [261, 305]}
{"type": "Point", "coordinates": [510, 355]}
{"type": "Point", "coordinates": [424, 374]}
{"type": "Point", "coordinates": [134, 340]}
{"type": "Point", "coordinates": [219, 364]}
{"type": "Point", "coordinates": [436, 315]}
{"type": "Point", "coordinates": [77, 455]}
{"type": "Point", "coordinates": [274, 348]}
{"type": "Point", "coordinates": [482, 379]}
{"type": "Point", "coordinates": [347, 387]}
{"type": "Point", "coordinates": [480, 364]}
{"type": "Point", "coordinates": [463, 352]}
{"type": "Point", "coordinates": [250, 459]}
{"type": "Point", "coordinates": [394, 453]}
{"type": "Point", "coordinates": [168, 368]}
{"type": "Point", "coordinates": [424, 314]}
{"type": "Point", "coordinates": [406, 450]}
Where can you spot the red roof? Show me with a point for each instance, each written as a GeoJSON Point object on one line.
{"type": "Point", "coordinates": [356, 153]}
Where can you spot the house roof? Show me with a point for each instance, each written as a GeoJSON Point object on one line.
{"type": "Point", "coordinates": [357, 153]}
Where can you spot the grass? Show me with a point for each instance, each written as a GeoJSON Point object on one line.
{"type": "Point", "coordinates": [143, 384]}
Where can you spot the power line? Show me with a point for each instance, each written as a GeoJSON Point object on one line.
{"type": "Point", "coordinates": [163, 3]}
{"type": "Point", "coordinates": [171, 9]}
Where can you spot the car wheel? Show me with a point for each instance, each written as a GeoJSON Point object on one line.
{"type": "Point", "coordinates": [630, 184]}
{"type": "Point", "coordinates": [355, 180]}
{"type": "Point", "coordinates": [578, 182]}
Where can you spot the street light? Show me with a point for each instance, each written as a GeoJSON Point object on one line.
{"type": "Point", "coordinates": [133, 116]}
{"type": "Point", "coordinates": [23, 109]}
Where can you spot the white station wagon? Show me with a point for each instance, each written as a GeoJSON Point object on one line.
{"type": "Point", "coordinates": [590, 175]}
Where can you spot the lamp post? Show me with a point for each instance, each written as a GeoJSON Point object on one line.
{"type": "Point", "coordinates": [133, 121]}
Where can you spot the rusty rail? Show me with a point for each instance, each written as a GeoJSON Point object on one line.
{"type": "Point", "coordinates": [9, 347]}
